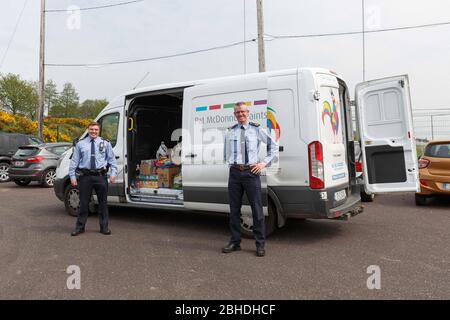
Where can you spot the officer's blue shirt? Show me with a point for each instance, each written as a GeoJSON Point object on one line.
{"type": "Point", "coordinates": [254, 135]}
{"type": "Point", "coordinates": [81, 157]}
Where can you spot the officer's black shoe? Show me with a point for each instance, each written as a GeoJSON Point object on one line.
{"type": "Point", "coordinates": [231, 247]}
{"type": "Point", "coordinates": [105, 232]}
{"type": "Point", "coordinates": [76, 232]}
{"type": "Point", "coordinates": [260, 252]}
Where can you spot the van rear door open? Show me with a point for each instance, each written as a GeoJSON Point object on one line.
{"type": "Point", "coordinates": [387, 141]}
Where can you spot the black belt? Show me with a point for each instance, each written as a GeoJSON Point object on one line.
{"type": "Point", "coordinates": [241, 167]}
{"type": "Point", "coordinates": [95, 172]}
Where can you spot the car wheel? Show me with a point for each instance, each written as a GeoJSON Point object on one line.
{"type": "Point", "coordinates": [4, 169]}
{"type": "Point", "coordinates": [22, 183]}
{"type": "Point", "coordinates": [72, 201]}
{"type": "Point", "coordinates": [367, 197]}
{"type": "Point", "coordinates": [421, 200]}
{"type": "Point", "coordinates": [269, 221]}
{"type": "Point", "coordinates": [48, 178]}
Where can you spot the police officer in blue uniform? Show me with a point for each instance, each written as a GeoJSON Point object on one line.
{"type": "Point", "coordinates": [91, 159]}
{"type": "Point", "coordinates": [242, 143]}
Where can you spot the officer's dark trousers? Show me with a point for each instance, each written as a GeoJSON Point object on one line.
{"type": "Point", "coordinates": [238, 182]}
{"type": "Point", "coordinates": [85, 185]}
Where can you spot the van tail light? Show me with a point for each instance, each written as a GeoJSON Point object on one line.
{"type": "Point", "coordinates": [35, 159]}
{"type": "Point", "coordinates": [315, 156]}
{"type": "Point", "coordinates": [423, 163]}
{"type": "Point", "coordinates": [358, 166]}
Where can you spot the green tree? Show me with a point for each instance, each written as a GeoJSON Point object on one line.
{"type": "Point", "coordinates": [89, 109]}
{"type": "Point", "coordinates": [51, 96]}
{"type": "Point", "coordinates": [18, 96]}
{"type": "Point", "coordinates": [66, 105]}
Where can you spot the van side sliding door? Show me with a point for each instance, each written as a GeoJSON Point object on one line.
{"type": "Point", "coordinates": [208, 111]}
{"type": "Point", "coordinates": [387, 140]}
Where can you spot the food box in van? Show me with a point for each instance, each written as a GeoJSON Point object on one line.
{"type": "Point", "coordinates": [147, 167]}
{"type": "Point", "coordinates": [165, 176]}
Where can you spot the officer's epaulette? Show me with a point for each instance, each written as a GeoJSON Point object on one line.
{"type": "Point", "coordinates": [106, 140]}
{"type": "Point", "coordinates": [254, 124]}
{"type": "Point", "coordinates": [233, 126]}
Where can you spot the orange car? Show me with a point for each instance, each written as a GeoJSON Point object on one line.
{"type": "Point", "coordinates": [434, 171]}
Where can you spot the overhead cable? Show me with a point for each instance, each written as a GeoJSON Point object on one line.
{"type": "Point", "coordinates": [146, 59]}
{"type": "Point", "coordinates": [99, 7]}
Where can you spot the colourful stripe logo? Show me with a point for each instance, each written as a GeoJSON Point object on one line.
{"type": "Point", "coordinates": [332, 113]}
{"type": "Point", "coordinates": [202, 108]}
{"type": "Point", "coordinates": [272, 123]}
{"type": "Point", "coordinates": [229, 105]}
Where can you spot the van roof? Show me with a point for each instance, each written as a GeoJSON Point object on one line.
{"type": "Point", "coordinates": [119, 100]}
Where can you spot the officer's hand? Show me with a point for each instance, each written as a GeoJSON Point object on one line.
{"type": "Point", "coordinates": [257, 168]}
{"type": "Point", "coordinates": [74, 183]}
{"type": "Point", "coordinates": [112, 179]}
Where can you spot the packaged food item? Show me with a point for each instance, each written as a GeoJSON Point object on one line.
{"type": "Point", "coordinates": [175, 154]}
{"type": "Point", "coordinates": [150, 184]}
{"type": "Point", "coordinates": [178, 182]}
{"type": "Point", "coordinates": [165, 176]}
{"type": "Point", "coordinates": [162, 151]}
{"type": "Point", "coordinates": [147, 167]}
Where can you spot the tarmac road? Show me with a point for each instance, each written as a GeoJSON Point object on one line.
{"type": "Point", "coordinates": [176, 255]}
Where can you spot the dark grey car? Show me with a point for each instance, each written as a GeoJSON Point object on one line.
{"type": "Point", "coordinates": [36, 163]}
{"type": "Point", "coordinates": [9, 143]}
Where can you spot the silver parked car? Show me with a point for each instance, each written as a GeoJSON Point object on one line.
{"type": "Point", "coordinates": [36, 163]}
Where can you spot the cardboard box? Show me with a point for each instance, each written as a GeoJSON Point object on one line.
{"type": "Point", "coordinates": [165, 176]}
{"type": "Point", "coordinates": [147, 167]}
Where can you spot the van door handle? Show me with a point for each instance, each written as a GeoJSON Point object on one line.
{"type": "Point", "coordinates": [191, 155]}
{"type": "Point", "coordinates": [117, 157]}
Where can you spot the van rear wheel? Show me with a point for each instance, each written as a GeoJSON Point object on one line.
{"type": "Point", "coordinates": [269, 221]}
{"type": "Point", "coordinates": [367, 197]}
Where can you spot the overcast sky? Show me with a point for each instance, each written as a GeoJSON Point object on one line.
{"type": "Point", "coordinates": [154, 28]}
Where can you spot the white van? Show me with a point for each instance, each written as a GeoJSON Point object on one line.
{"type": "Point", "coordinates": [307, 111]}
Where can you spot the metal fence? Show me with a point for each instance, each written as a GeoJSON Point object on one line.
{"type": "Point", "coordinates": [431, 125]}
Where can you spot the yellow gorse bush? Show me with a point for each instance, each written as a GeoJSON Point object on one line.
{"type": "Point", "coordinates": [55, 129]}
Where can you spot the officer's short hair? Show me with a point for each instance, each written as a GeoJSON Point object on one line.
{"type": "Point", "coordinates": [239, 104]}
{"type": "Point", "coordinates": [93, 123]}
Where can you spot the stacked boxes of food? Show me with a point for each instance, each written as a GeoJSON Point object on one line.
{"type": "Point", "coordinates": [146, 175]}
{"type": "Point", "coordinates": [156, 174]}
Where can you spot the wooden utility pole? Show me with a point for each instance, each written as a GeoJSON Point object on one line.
{"type": "Point", "coordinates": [40, 110]}
{"type": "Point", "coordinates": [363, 41]}
{"type": "Point", "coordinates": [261, 54]}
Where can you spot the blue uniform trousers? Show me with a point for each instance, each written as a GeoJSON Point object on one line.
{"type": "Point", "coordinates": [238, 182]}
{"type": "Point", "coordinates": [86, 184]}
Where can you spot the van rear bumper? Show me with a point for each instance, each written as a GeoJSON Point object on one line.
{"type": "Point", "coordinates": [303, 202]}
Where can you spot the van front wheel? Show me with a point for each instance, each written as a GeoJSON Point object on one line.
{"type": "Point", "coordinates": [72, 201]}
{"type": "Point", "coordinates": [269, 221]}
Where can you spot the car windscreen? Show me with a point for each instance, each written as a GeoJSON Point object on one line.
{"type": "Point", "coordinates": [59, 150]}
{"type": "Point", "coordinates": [438, 150]}
{"type": "Point", "coordinates": [27, 151]}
